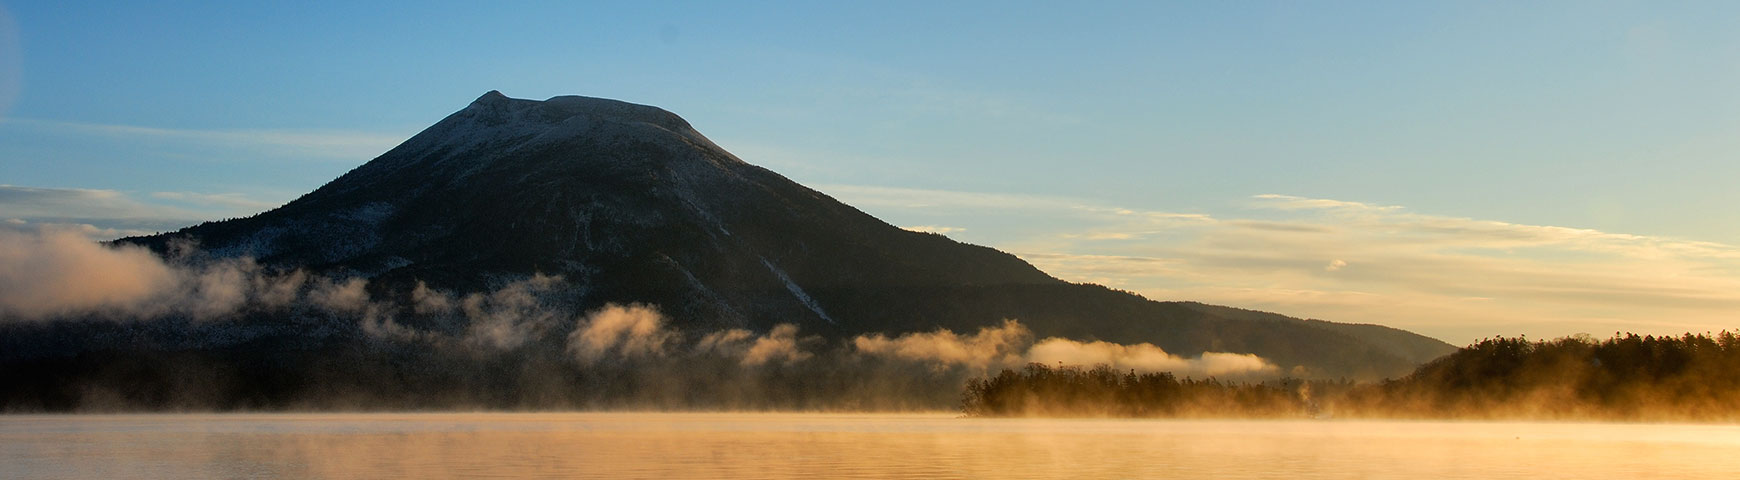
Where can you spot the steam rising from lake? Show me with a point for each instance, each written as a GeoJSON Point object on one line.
{"type": "Point", "coordinates": [1011, 345]}
{"type": "Point", "coordinates": [629, 331]}
{"type": "Point", "coordinates": [59, 273]}
{"type": "Point", "coordinates": [835, 445]}
{"type": "Point", "coordinates": [53, 277]}
{"type": "Point", "coordinates": [1146, 358]}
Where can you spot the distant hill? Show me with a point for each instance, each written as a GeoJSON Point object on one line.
{"type": "Point", "coordinates": [1691, 377]}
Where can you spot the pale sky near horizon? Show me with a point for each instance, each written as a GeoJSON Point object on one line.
{"type": "Point", "coordinates": [1458, 169]}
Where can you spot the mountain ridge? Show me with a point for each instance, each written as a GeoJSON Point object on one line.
{"type": "Point", "coordinates": [631, 204]}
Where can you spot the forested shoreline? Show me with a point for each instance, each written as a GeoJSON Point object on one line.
{"type": "Point", "coordinates": [1693, 377]}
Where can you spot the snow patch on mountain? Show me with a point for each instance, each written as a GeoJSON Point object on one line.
{"type": "Point", "coordinates": [797, 291]}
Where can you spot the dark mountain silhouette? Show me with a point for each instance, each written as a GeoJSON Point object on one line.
{"type": "Point", "coordinates": [625, 199]}
{"type": "Point", "coordinates": [630, 204]}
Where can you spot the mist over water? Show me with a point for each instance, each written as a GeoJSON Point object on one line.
{"type": "Point", "coordinates": [782, 445]}
{"type": "Point", "coordinates": [523, 345]}
{"type": "Point", "coordinates": [127, 330]}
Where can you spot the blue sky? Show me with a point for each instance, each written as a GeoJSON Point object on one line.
{"type": "Point", "coordinates": [1462, 169]}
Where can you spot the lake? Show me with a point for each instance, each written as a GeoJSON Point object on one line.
{"type": "Point", "coordinates": [821, 445]}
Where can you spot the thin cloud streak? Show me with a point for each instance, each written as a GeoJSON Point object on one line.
{"type": "Point", "coordinates": [1459, 279]}
{"type": "Point", "coordinates": [936, 229]}
{"type": "Point", "coordinates": [873, 196]}
{"type": "Point", "coordinates": [324, 144]}
{"type": "Point", "coordinates": [38, 202]}
{"type": "Point", "coordinates": [105, 214]}
{"type": "Point", "coordinates": [232, 201]}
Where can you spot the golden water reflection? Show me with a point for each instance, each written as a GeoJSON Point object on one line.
{"type": "Point", "coordinates": [763, 445]}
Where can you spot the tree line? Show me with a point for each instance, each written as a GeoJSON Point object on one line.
{"type": "Point", "coordinates": [1692, 377]}
{"type": "Point", "coordinates": [1100, 391]}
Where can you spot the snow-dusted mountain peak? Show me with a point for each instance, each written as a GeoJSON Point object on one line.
{"type": "Point", "coordinates": [629, 205]}
{"type": "Point", "coordinates": [495, 127]}
{"type": "Point", "coordinates": [498, 108]}
{"type": "Point", "coordinates": [492, 96]}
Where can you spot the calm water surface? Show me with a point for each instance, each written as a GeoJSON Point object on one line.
{"type": "Point", "coordinates": [718, 445]}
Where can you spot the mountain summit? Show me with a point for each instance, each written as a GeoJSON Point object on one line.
{"type": "Point", "coordinates": [627, 201]}
{"type": "Point", "coordinates": [631, 205]}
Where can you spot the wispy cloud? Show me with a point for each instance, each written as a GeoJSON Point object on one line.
{"type": "Point", "coordinates": [1456, 278]}
{"type": "Point", "coordinates": [1289, 202]}
{"type": "Point", "coordinates": [322, 144]}
{"type": "Point", "coordinates": [877, 196]}
{"type": "Point", "coordinates": [940, 230]}
{"type": "Point", "coordinates": [233, 201]}
{"type": "Point", "coordinates": [38, 202]}
{"type": "Point", "coordinates": [104, 214]}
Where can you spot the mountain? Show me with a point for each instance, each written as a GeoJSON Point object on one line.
{"type": "Point", "coordinates": [629, 204]}
{"type": "Point", "coordinates": [626, 200]}
{"type": "Point", "coordinates": [635, 205]}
